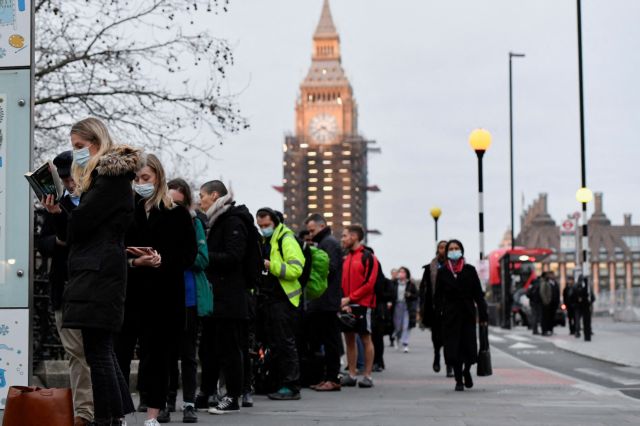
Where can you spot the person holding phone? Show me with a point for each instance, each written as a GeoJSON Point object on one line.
{"type": "Point", "coordinates": [161, 245]}
{"type": "Point", "coordinates": [459, 292]}
{"type": "Point", "coordinates": [93, 298]}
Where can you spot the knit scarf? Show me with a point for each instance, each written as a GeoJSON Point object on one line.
{"type": "Point", "coordinates": [220, 207]}
{"type": "Point", "coordinates": [455, 266]}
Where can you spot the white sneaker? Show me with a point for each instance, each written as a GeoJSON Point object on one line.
{"type": "Point", "coordinates": [406, 349]}
{"type": "Point", "coordinates": [152, 422]}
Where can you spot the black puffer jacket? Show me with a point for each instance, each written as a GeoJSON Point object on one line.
{"type": "Point", "coordinates": [330, 300]}
{"type": "Point", "coordinates": [227, 242]}
{"type": "Point", "coordinates": [94, 296]}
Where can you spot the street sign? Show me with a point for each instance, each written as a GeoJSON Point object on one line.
{"type": "Point", "coordinates": [15, 33]}
{"type": "Point", "coordinates": [568, 235]}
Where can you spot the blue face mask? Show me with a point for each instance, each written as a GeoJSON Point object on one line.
{"type": "Point", "coordinates": [81, 156]}
{"type": "Point", "coordinates": [454, 255]}
{"type": "Point", "coordinates": [144, 190]}
{"type": "Point", "coordinates": [267, 232]}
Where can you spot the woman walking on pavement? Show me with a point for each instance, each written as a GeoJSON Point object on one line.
{"type": "Point", "coordinates": [405, 298]}
{"type": "Point", "coordinates": [94, 295]}
{"type": "Point", "coordinates": [162, 245]}
{"type": "Point", "coordinates": [459, 291]}
{"type": "Point", "coordinates": [431, 312]}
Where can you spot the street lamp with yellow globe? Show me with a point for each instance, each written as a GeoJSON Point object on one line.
{"type": "Point", "coordinates": [480, 141]}
{"type": "Point", "coordinates": [436, 212]}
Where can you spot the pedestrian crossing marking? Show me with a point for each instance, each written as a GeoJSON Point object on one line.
{"type": "Point", "coordinates": [518, 338]}
{"type": "Point", "coordinates": [625, 381]}
{"type": "Point", "coordinates": [496, 339]}
{"type": "Point", "coordinates": [521, 345]}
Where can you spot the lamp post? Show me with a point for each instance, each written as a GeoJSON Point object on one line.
{"type": "Point", "coordinates": [480, 140]}
{"type": "Point", "coordinates": [511, 56]}
{"type": "Point", "coordinates": [435, 214]}
{"type": "Point", "coordinates": [584, 195]}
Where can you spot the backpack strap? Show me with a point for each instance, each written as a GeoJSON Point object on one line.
{"type": "Point", "coordinates": [366, 256]}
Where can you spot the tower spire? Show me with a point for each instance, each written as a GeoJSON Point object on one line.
{"type": "Point", "coordinates": [326, 27]}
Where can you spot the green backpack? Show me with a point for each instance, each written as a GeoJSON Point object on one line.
{"type": "Point", "coordinates": [318, 279]}
{"type": "Point", "coordinates": [315, 274]}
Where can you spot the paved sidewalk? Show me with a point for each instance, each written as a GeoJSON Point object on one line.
{"type": "Point", "coordinates": [615, 342]}
{"type": "Point", "coordinates": [410, 393]}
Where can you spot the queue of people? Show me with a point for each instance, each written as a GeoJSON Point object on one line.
{"type": "Point", "coordinates": [142, 271]}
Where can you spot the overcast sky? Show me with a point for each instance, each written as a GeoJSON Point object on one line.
{"type": "Point", "coordinates": [425, 73]}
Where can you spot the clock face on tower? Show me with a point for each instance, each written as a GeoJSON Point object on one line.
{"type": "Point", "coordinates": [323, 128]}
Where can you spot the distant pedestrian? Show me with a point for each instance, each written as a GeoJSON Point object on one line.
{"type": "Point", "coordinates": [459, 290]}
{"type": "Point", "coordinates": [405, 298]}
{"type": "Point", "coordinates": [359, 274]}
{"type": "Point", "coordinates": [279, 300]}
{"type": "Point", "coordinates": [584, 298]}
{"type": "Point", "coordinates": [322, 312]}
{"type": "Point", "coordinates": [568, 298]}
{"type": "Point", "coordinates": [161, 244]}
{"type": "Point", "coordinates": [390, 326]}
{"type": "Point", "coordinates": [533, 294]}
{"type": "Point", "coordinates": [550, 297]}
{"type": "Point", "coordinates": [431, 312]}
{"type": "Point", "coordinates": [53, 243]}
{"type": "Point", "coordinates": [94, 296]}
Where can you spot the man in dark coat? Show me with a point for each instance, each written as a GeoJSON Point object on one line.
{"type": "Point", "coordinates": [584, 298]}
{"type": "Point", "coordinates": [550, 296]}
{"type": "Point", "coordinates": [53, 244]}
{"type": "Point", "coordinates": [533, 294]}
{"type": "Point", "coordinates": [322, 313]}
{"type": "Point", "coordinates": [569, 301]}
{"type": "Point", "coordinates": [430, 312]}
{"type": "Point", "coordinates": [222, 344]}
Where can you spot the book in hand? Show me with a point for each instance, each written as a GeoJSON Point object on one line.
{"type": "Point", "coordinates": [45, 181]}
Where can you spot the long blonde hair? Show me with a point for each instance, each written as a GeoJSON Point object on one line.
{"type": "Point", "coordinates": [92, 130]}
{"type": "Point", "coordinates": [161, 191]}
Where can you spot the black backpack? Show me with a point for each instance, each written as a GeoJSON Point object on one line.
{"type": "Point", "coordinates": [381, 280]}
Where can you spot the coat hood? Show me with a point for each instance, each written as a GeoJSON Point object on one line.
{"type": "Point", "coordinates": [118, 161]}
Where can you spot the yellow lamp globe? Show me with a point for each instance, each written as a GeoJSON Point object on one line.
{"type": "Point", "coordinates": [480, 139]}
{"type": "Point", "coordinates": [436, 212]}
{"type": "Point", "coordinates": [584, 195]}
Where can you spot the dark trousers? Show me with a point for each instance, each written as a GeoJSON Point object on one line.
{"type": "Point", "coordinates": [325, 333]}
{"type": "Point", "coordinates": [185, 351]}
{"type": "Point", "coordinates": [458, 369]}
{"type": "Point", "coordinates": [571, 319]}
{"type": "Point", "coordinates": [377, 337]}
{"type": "Point", "coordinates": [221, 351]}
{"type": "Point", "coordinates": [548, 318]}
{"type": "Point", "coordinates": [155, 358]}
{"type": "Point", "coordinates": [584, 313]}
{"type": "Point", "coordinates": [280, 324]}
{"type": "Point", "coordinates": [111, 396]}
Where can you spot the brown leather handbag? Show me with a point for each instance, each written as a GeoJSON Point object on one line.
{"type": "Point", "coordinates": [33, 406]}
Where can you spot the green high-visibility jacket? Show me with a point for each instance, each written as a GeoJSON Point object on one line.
{"type": "Point", "coordinates": [289, 269]}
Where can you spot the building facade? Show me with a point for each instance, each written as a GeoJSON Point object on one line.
{"type": "Point", "coordinates": [614, 250]}
{"type": "Point", "coordinates": [325, 161]}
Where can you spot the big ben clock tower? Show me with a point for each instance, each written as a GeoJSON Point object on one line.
{"type": "Point", "coordinates": [325, 163]}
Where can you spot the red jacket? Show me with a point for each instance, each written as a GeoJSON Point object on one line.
{"type": "Point", "coordinates": [353, 278]}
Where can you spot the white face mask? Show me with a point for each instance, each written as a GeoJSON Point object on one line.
{"type": "Point", "coordinates": [144, 190]}
{"type": "Point", "coordinates": [81, 156]}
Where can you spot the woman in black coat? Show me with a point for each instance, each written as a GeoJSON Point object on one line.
{"type": "Point", "coordinates": [162, 245]}
{"type": "Point", "coordinates": [94, 295]}
{"type": "Point", "coordinates": [458, 290]}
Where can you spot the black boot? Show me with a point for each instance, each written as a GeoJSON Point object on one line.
{"type": "Point", "coordinates": [436, 362]}
{"type": "Point", "coordinates": [468, 380]}
{"type": "Point", "coordinates": [450, 371]}
{"type": "Point", "coordinates": [458, 375]}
